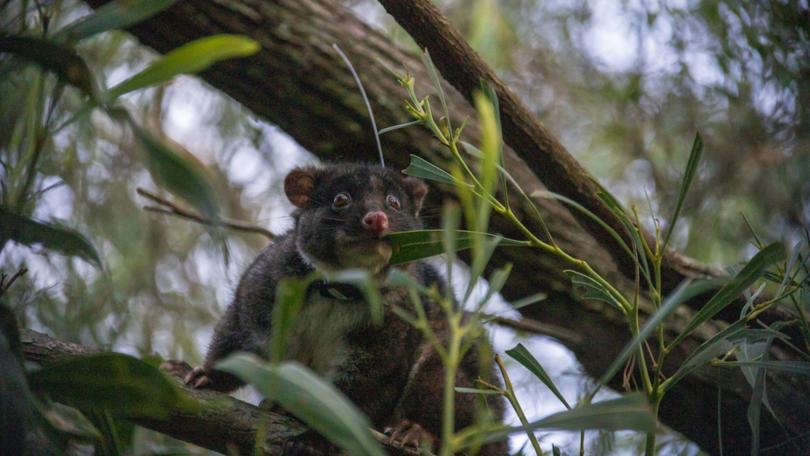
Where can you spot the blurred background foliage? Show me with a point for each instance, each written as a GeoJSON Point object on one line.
{"type": "Point", "coordinates": [624, 84]}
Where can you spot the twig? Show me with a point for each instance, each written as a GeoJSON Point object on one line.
{"type": "Point", "coordinates": [169, 208]}
{"type": "Point", "coordinates": [6, 284]}
{"type": "Point", "coordinates": [535, 327]}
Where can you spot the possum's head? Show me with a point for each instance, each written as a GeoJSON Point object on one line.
{"type": "Point", "coordinates": [345, 210]}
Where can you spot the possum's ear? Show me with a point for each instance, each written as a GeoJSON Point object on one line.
{"type": "Point", "coordinates": [299, 184]}
{"type": "Point", "coordinates": [417, 190]}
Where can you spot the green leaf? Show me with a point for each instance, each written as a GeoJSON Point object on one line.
{"type": "Point", "coordinates": [593, 289]}
{"type": "Point", "coordinates": [436, 80]}
{"type": "Point", "coordinates": [52, 236]}
{"type": "Point", "coordinates": [747, 276]}
{"type": "Point", "coordinates": [70, 421]}
{"type": "Point", "coordinates": [485, 392]}
{"type": "Point", "coordinates": [520, 354]}
{"type": "Point", "coordinates": [398, 278]}
{"type": "Point", "coordinates": [528, 300]}
{"type": "Point", "coordinates": [398, 126]}
{"type": "Point", "coordinates": [793, 367]}
{"type": "Point", "coordinates": [310, 399]}
{"type": "Point", "coordinates": [179, 172]}
{"type": "Point", "coordinates": [290, 294]}
{"type": "Point", "coordinates": [673, 301]}
{"type": "Point", "coordinates": [583, 210]}
{"type": "Point", "coordinates": [712, 348]}
{"type": "Point", "coordinates": [418, 244]}
{"type": "Point", "coordinates": [189, 58]}
{"type": "Point", "coordinates": [119, 383]}
{"type": "Point", "coordinates": [686, 182]}
{"type": "Point", "coordinates": [67, 65]}
{"type": "Point", "coordinates": [119, 14]}
{"type": "Point", "coordinates": [362, 280]}
{"type": "Point", "coordinates": [419, 167]}
{"type": "Point", "coordinates": [628, 412]}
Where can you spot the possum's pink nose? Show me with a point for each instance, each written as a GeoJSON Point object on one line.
{"type": "Point", "coordinates": [376, 222]}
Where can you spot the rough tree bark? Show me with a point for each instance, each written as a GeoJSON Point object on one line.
{"type": "Point", "coordinates": [298, 83]}
{"type": "Point", "coordinates": [221, 424]}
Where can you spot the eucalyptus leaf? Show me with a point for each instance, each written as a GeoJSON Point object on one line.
{"type": "Point", "coordinates": [485, 392]}
{"type": "Point", "coordinates": [793, 367]}
{"type": "Point", "coordinates": [726, 295]}
{"type": "Point", "coordinates": [52, 236]}
{"type": "Point", "coordinates": [290, 295]}
{"type": "Point", "coordinates": [670, 304]}
{"type": "Point", "coordinates": [310, 399]}
{"type": "Point", "coordinates": [593, 289]}
{"type": "Point", "coordinates": [362, 280]}
{"type": "Point", "coordinates": [686, 182]}
{"type": "Point", "coordinates": [628, 412]}
{"type": "Point", "coordinates": [118, 383]}
{"type": "Point", "coordinates": [716, 346]}
{"type": "Point", "coordinates": [177, 171]}
{"type": "Point", "coordinates": [418, 244]}
{"type": "Point", "coordinates": [190, 58]}
{"type": "Point", "coordinates": [69, 421]}
{"type": "Point", "coordinates": [522, 355]}
{"type": "Point", "coordinates": [419, 167]}
{"type": "Point", "coordinates": [118, 14]}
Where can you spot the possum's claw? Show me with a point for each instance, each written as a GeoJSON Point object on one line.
{"type": "Point", "coordinates": [194, 377]}
{"type": "Point", "coordinates": [406, 433]}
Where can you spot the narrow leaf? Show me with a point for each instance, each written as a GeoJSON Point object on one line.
{"type": "Point", "coordinates": [419, 244]}
{"type": "Point", "coordinates": [686, 182]}
{"type": "Point", "coordinates": [52, 236]}
{"type": "Point", "coordinates": [747, 276]}
{"type": "Point", "coordinates": [118, 14]}
{"type": "Point", "coordinates": [629, 412]}
{"type": "Point", "coordinates": [486, 392]}
{"type": "Point", "coordinates": [592, 289]}
{"type": "Point", "coordinates": [290, 294]}
{"type": "Point", "coordinates": [520, 354]}
{"type": "Point", "coordinates": [793, 367]}
{"type": "Point", "coordinates": [310, 399]}
{"type": "Point", "coordinates": [119, 383]}
{"type": "Point", "coordinates": [398, 126]}
{"type": "Point", "coordinates": [362, 280]}
{"type": "Point", "coordinates": [177, 171]}
{"type": "Point", "coordinates": [419, 167]}
{"type": "Point", "coordinates": [669, 305]}
{"type": "Point", "coordinates": [189, 58]}
{"type": "Point", "coordinates": [716, 346]}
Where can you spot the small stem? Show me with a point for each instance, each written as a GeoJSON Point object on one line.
{"type": "Point", "coordinates": [650, 447]}
{"type": "Point", "coordinates": [510, 395]}
{"type": "Point", "coordinates": [169, 208]}
{"type": "Point", "coordinates": [448, 404]}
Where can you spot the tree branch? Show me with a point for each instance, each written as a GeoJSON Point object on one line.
{"type": "Point", "coordinates": [167, 207]}
{"type": "Point", "coordinates": [221, 423]}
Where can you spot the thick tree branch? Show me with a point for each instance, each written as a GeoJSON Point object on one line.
{"type": "Point", "coordinates": [222, 423]}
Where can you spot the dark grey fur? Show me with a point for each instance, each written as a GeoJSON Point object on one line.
{"type": "Point", "coordinates": [389, 371]}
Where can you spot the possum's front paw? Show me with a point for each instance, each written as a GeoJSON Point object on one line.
{"type": "Point", "coordinates": [310, 443]}
{"type": "Point", "coordinates": [406, 433]}
{"type": "Point", "coordinates": [194, 377]}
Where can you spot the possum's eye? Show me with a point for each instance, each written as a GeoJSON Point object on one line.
{"type": "Point", "coordinates": [393, 202]}
{"type": "Point", "coordinates": [341, 200]}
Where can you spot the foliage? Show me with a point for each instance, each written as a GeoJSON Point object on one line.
{"type": "Point", "coordinates": [648, 262]}
{"type": "Point", "coordinates": [643, 118]}
{"type": "Point", "coordinates": [108, 385]}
